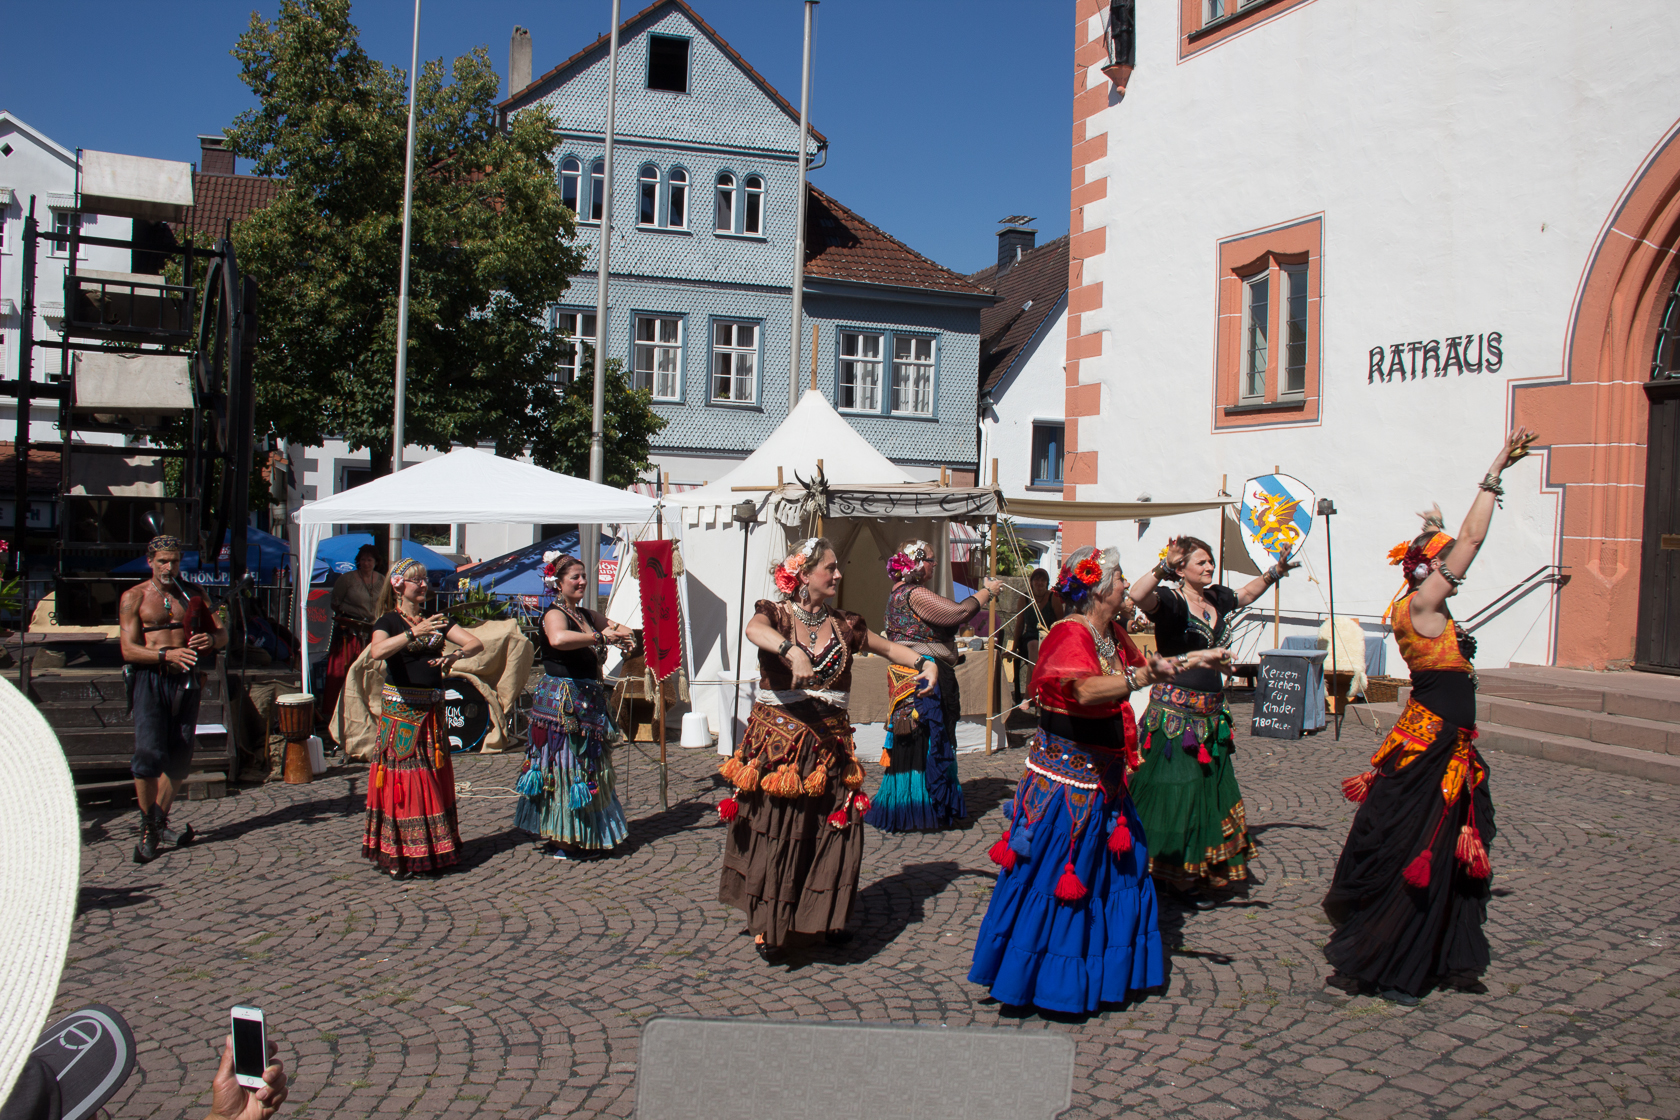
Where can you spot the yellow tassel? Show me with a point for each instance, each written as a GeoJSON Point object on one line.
{"type": "Point", "coordinates": [854, 775]}
{"type": "Point", "coordinates": [886, 760]}
{"type": "Point", "coordinates": [729, 767]}
{"type": "Point", "coordinates": [378, 776]}
{"type": "Point", "coordinates": [787, 781]}
{"type": "Point", "coordinates": [817, 781]}
{"type": "Point", "coordinates": [746, 779]}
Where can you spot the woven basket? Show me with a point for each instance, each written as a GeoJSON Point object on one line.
{"type": "Point", "coordinates": [1383, 690]}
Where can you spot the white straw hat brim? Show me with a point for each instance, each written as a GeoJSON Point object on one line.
{"type": "Point", "coordinates": [40, 860]}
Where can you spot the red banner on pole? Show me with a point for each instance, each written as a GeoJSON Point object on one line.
{"type": "Point", "coordinates": [661, 615]}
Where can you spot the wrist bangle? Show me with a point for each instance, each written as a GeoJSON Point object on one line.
{"type": "Point", "coordinates": [1131, 678]}
{"type": "Point", "coordinates": [782, 650]}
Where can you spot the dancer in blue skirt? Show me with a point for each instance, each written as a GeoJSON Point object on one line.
{"type": "Point", "coordinates": [1072, 921]}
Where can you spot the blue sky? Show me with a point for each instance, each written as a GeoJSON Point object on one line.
{"type": "Point", "coordinates": [942, 117]}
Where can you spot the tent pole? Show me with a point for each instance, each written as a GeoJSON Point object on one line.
{"type": "Point", "coordinates": [659, 685]}
{"type": "Point", "coordinates": [991, 625]}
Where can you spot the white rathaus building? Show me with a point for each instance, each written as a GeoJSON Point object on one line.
{"type": "Point", "coordinates": [1357, 241]}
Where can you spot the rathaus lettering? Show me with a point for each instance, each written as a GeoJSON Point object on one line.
{"type": "Point", "coordinates": [1464, 353]}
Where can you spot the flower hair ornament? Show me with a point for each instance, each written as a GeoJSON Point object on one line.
{"type": "Point", "coordinates": [901, 564]}
{"type": "Point", "coordinates": [787, 572]}
{"type": "Point", "coordinates": [1414, 558]}
{"type": "Point", "coordinates": [551, 568]}
{"type": "Point", "coordinates": [1074, 583]}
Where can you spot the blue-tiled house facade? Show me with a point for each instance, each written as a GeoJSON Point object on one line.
{"type": "Point", "coordinates": [705, 178]}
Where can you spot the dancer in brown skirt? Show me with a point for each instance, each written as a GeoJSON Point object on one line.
{"type": "Point", "coordinates": [795, 839]}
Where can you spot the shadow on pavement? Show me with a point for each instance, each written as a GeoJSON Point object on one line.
{"type": "Point", "coordinates": [346, 804]}
{"type": "Point", "coordinates": [887, 907]}
{"type": "Point", "coordinates": [111, 898]}
{"type": "Point", "coordinates": [981, 796]}
{"type": "Point", "coordinates": [680, 817]}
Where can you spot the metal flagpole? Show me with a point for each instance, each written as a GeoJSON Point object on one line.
{"type": "Point", "coordinates": [799, 218]}
{"type": "Point", "coordinates": [590, 535]}
{"type": "Point", "coordinates": [1328, 507]}
{"type": "Point", "coordinates": [394, 548]}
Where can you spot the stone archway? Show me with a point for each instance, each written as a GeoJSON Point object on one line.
{"type": "Point", "coordinates": [1595, 421]}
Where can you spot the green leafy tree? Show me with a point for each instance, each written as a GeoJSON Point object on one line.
{"type": "Point", "coordinates": [492, 249]}
{"type": "Point", "coordinates": [628, 425]}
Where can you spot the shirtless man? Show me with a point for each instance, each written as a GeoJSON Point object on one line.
{"type": "Point", "coordinates": [164, 629]}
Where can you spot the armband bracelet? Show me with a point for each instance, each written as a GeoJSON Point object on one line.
{"type": "Point", "coordinates": [1446, 574]}
{"type": "Point", "coordinates": [1131, 678]}
{"type": "Point", "coordinates": [782, 650]}
{"type": "Point", "coordinates": [1492, 485]}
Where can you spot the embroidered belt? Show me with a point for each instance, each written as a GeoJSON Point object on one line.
{"type": "Point", "coordinates": [782, 697]}
{"type": "Point", "coordinates": [1070, 763]}
{"type": "Point", "coordinates": [413, 697]}
{"type": "Point", "coordinates": [1415, 732]}
{"type": "Point", "coordinates": [1190, 700]}
{"type": "Point", "coordinates": [1195, 719]}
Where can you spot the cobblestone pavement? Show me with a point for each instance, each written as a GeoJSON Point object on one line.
{"type": "Point", "coordinates": [518, 985]}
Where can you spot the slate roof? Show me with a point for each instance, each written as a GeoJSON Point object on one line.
{"type": "Point", "coordinates": [840, 245]}
{"type": "Point", "coordinates": [217, 199]}
{"type": "Point", "coordinates": [1006, 328]}
{"type": "Point", "coordinates": [602, 43]}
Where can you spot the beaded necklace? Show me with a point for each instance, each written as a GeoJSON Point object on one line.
{"type": "Point", "coordinates": [584, 626]}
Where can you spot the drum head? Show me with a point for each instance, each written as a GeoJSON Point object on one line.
{"type": "Point", "coordinates": [291, 698]}
{"type": "Point", "coordinates": [466, 718]}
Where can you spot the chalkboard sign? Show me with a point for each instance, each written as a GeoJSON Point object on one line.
{"type": "Point", "coordinates": [1280, 697]}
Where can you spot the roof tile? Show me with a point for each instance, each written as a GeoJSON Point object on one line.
{"type": "Point", "coordinates": [840, 245]}
{"type": "Point", "coordinates": [1028, 291]}
{"type": "Point", "coordinates": [219, 199]}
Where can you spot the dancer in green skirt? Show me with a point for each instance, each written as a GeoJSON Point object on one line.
{"type": "Point", "coordinates": [1186, 790]}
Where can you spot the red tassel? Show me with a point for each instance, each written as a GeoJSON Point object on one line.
{"type": "Point", "coordinates": [1068, 887]}
{"type": "Point", "coordinates": [862, 802]}
{"type": "Point", "coordinates": [1001, 853]}
{"type": "Point", "coordinates": [729, 808]}
{"type": "Point", "coordinates": [1202, 755]}
{"type": "Point", "coordinates": [1417, 872]}
{"type": "Point", "coordinates": [1473, 853]}
{"type": "Point", "coordinates": [1356, 788]}
{"type": "Point", "coordinates": [1120, 840]}
{"type": "Point", "coordinates": [839, 819]}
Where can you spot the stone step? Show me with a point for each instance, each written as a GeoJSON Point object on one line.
{"type": "Point", "coordinates": [77, 717]}
{"type": "Point", "coordinates": [1649, 696]}
{"type": "Point", "coordinates": [105, 688]}
{"type": "Point", "coordinates": [1612, 759]}
{"type": "Point", "coordinates": [1597, 727]}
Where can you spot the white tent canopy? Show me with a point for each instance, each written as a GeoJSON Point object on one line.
{"type": "Point", "coordinates": [466, 485]}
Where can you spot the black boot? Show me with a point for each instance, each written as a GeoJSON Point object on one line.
{"type": "Point", "coordinates": [167, 835]}
{"type": "Point", "coordinates": [147, 849]}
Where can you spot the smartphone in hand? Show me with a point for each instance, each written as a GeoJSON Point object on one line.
{"type": "Point", "coordinates": [250, 1046]}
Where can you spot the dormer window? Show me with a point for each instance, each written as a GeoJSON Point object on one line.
{"type": "Point", "coordinates": [667, 63]}
{"type": "Point", "coordinates": [725, 209]}
{"type": "Point", "coordinates": [754, 209]}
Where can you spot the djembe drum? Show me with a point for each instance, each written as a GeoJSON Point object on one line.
{"type": "Point", "coordinates": [297, 720]}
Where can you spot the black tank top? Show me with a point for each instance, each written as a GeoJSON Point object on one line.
{"type": "Point", "coordinates": [579, 664]}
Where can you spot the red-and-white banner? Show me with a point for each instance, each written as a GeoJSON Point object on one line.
{"type": "Point", "coordinates": [661, 613]}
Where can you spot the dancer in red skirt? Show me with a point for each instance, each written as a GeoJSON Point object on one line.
{"type": "Point", "coordinates": [411, 787]}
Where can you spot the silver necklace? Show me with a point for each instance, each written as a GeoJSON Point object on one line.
{"type": "Point", "coordinates": [809, 618]}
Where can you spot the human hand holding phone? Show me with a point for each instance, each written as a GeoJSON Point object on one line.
{"type": "Point", "coordinates": [231, 1099]}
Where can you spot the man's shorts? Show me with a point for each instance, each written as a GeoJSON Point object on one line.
{"type": "Point", "coordinates": [165, 722]}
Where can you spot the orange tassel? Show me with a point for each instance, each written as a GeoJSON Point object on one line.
{"type": "Point", "coordinates": [854, 775]}
{"type": "Point", "coordinates": [378, 776]}
{"type": "Point", "coordinates": [1001, 853]}
{"type": "Point", "coordinates": [1120, 840]}
{"type": "Point", "coordinates": [886, 760]}
{"type": "Point", "coordinates": [746, 779]}
{"type": "Point", "coordinates": [817, 781]}
{"type": "Point", "coordinates": [1069, 888]}
{"type": "Point", "coordinates": [729, 767]}
{"type": "Point", "coordinates": [1358, 787]}
{"type": "Point", "coordinates": [787, 781]}
{"type": "Point", "coordinates": [729, 808]}
{"type": "Point", "coordinates": [1473, 853]}
{"type": "Point", "coordinates": [1417, 872]}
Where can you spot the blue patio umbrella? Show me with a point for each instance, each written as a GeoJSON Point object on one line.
{"type": "Point", "coordinates": [337, 555]}
{"type": "Point", "coordinates": [520, 572]}
{"type": "Point", "coordinates": [264, 552]}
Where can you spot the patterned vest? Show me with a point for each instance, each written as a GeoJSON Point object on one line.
{"type": "Point", "coordinates": [905, 625]}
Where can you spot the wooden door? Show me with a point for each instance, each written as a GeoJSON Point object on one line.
{"type": "Point", "coordinates": [1657, 644]}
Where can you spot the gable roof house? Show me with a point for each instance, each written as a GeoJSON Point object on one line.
{"type": "Point", "coordinates": [706, 175]}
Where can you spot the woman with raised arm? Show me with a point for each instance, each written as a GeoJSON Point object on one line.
{"type": "Point", "coordinates": [411, 823]}
{"type": "Point", "coordinates": [1072, 920]}
{"type": "Point", "coordinates": [919, 786]}
{"type": "Point", "coordinates": [569, 794]}
{"type": "Point", "coordinates": [1186, 790]}
{"type": "Point", "coordinates": [1411, 888]}
{"type": "Point", "coordinates": [795, 835]}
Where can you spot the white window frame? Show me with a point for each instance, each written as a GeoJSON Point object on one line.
{"type": "Point", "coordinates": [752, 192]}
{"type": "Point", "coordinates": [664, 385]}
{"type": "Point", "coordinates": [734, 353]}
{"type": "Point", "coordinates": [1293, 279]}
{"type": "Point", "coordinates": [869, 386]}
{"type": "Point", "coordinates": [571, 321]}
{"type": "Point", "coordinates": [676, 198]}
{"type": "Point", "coordinates": [647, 196]}
{"type": "Point", "coordinates": [1256, 337]}
{"type": "Point", "coordinates": [918, 366]}
{"type": "Point", "coordinates": [1060, 444]}
{"type": "Point", "coordinates": [61, 249]}
{"type": "Point", "coordinates": [723, 203]}
{"type": "Point", "coordinates": [572, 168]}
{"type": "Point", "coordinates": [597, 190]}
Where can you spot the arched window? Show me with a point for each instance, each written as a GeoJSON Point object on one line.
{"type": "Point", "coordinates": [676, 199]}
{"type": "Point", "coordinates": [597, 189]}
{"type": "Point", "coordinates": [725, 216]}
{"type": "Point", "coordinates": [754, 208]}
{"type": "Point", "coordinates": [648, 215]}
{"type": "Point", "coordinates": [571, 171]}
